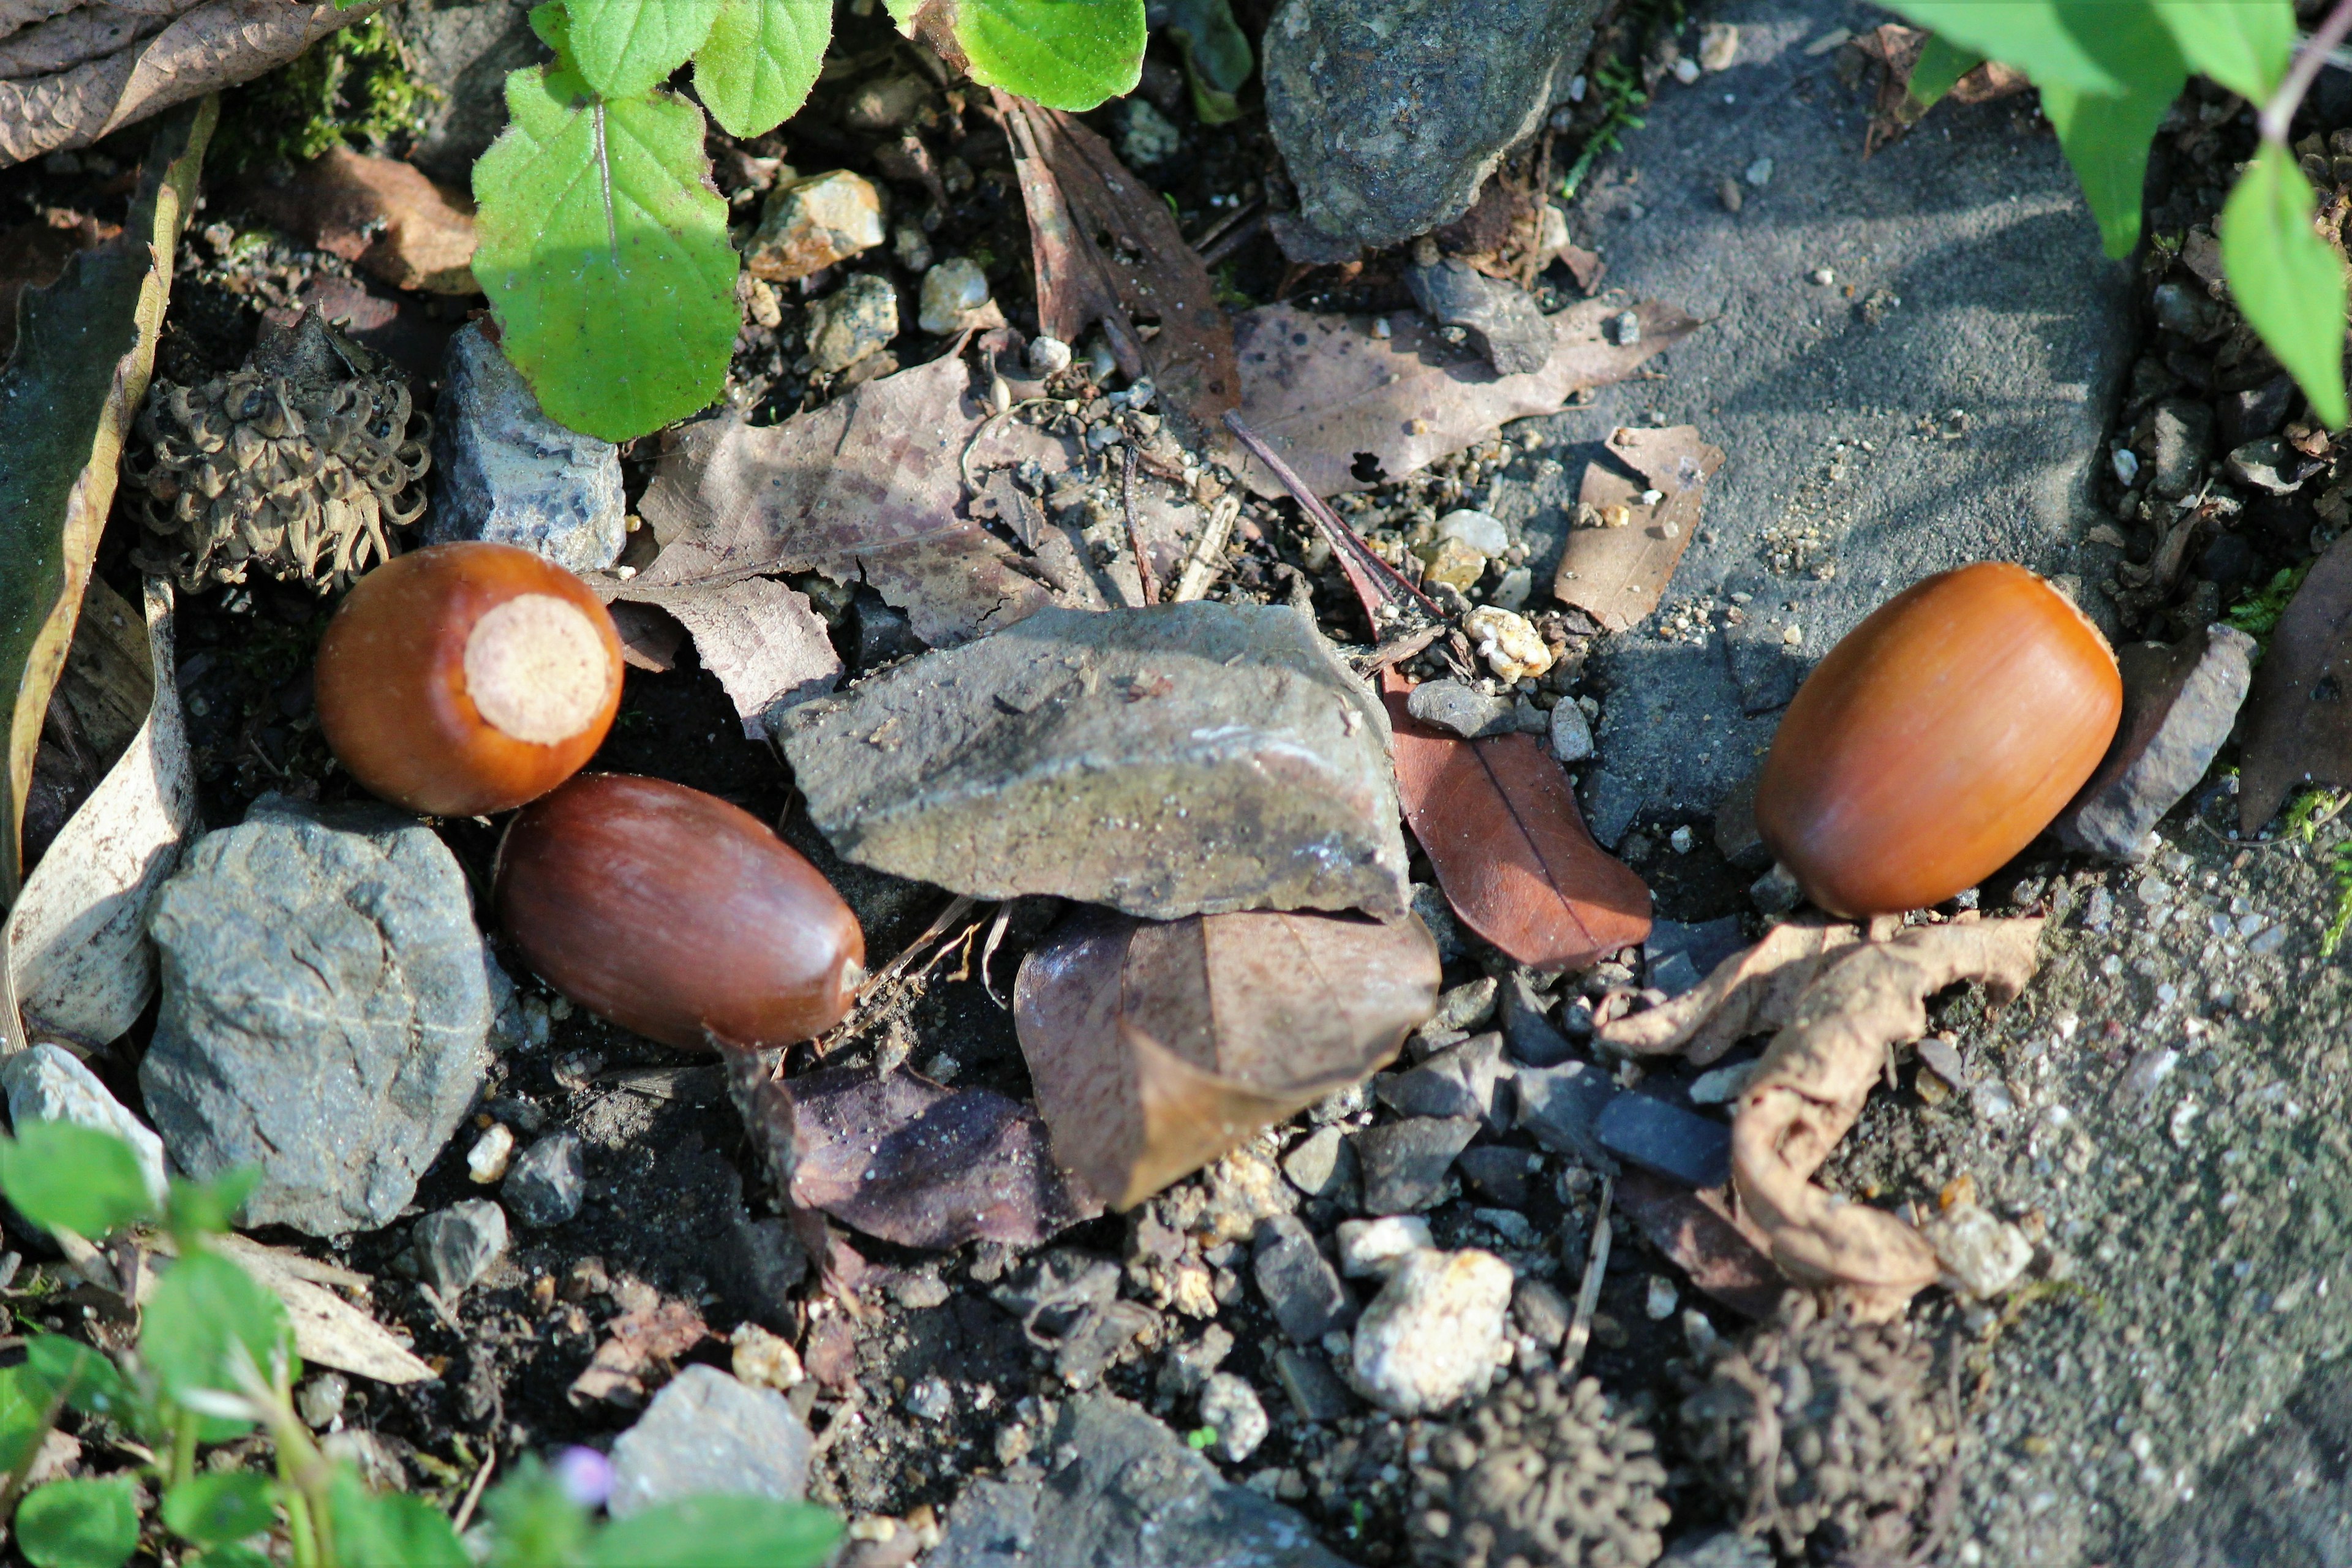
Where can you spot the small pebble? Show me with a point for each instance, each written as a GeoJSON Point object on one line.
{"type": "Point", "coordinates": [1760, 173]}
{"type": "Point", "coordinates": [1375, 1247]}
{"type": "Point", "coordinates": [1048, 356]}
{"type": "Point", "coordinates": [953, 293]}
{"type": "Point", "coordinates": [1824, 276]}
{"type": "Point", "coordinates": [486, 1163]}
{"type": "Point", "coordinates": [930, 1399]}
{"type": "Point", "coordinates": [764, 1359]}
{"type": "Point", "coordinates": [1686, 71]}
{"type": "Point", "coordinates": [320, 1401]}
{"type": "Point", "coordinates": [1661, 1300]}
{"type": "Point", "coordinates": [1230, 1406]}
{"type": "Point", "coordinates": [1434, 1336]}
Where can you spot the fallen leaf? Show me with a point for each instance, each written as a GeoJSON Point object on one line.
{"type": "Point", "coordinates": [910, 1161]}
{"type": "Point", "coordinates": [1811, 1087]}
{"type": "Point", "coordinates": [1625, 548]}
{"type": "Point", "coordinates": [2298, 723]}
{"type": "Point", "coordinates": [211, 46]}
{"type": "Point", "coordinates": [1896, 49]}
{"type": "Point", "coordinates": [1076, 189]}
{"type": "Point", "coordinates": [76, 939]}
{"type": "Point", "coordinates": [649, 1339]}
{"type": "Point", "coordinates": [1753, 992]}
{"type": "Point", "coordinates": [1500, 826]}
{"type": "Point", "coordinates": [32, 254]}
{"type": "Point", "coordinates": [768, 647]}
{"type": "Point", "coordinates": [650, 636]}
{"type": "Point", "coordinates": [869, 487]}
{"type": "Point", "coordinates": [381, 214]}
{"type": "Point", "coordinates": [1154, 1048]}
{"type": "Point", "coordinates": [1349, 409]}
{"type": "Point", "coordinates": [85, 351]}
{"type": "Point", "coordinates": [328, 1330]}
{"type": "Point", "coordinates": [1705, 1239]}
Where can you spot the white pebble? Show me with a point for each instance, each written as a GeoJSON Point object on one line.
{"type": "Point", "coordinates": [486, 1163]}
{"type": "Point", "coordinates": [1048, 356]}
{"type": "Point", "coordinates": [1686, 71]}
{"type": "Point", "coordinates": [1231, 1407]}
{"type": "Point", "coordinates": [764, 1359]}
{"type": "Point", "coordinates": [1760, 173]}
{"type": "Point", "coordinates": [1982, 1252]}
{"type": "Point", "coordinates": [1661, 1300]}
{"type": "Point", "coordinates": [1434, 1335]}
{"type": "Point", "coordinates": [1824, 276]}
{"type": "Point", "coordinates": [953, 292]}
{"type": "Point", "coordinates": [1482, 531]}
{"type": "Point", "coordinates": [1376, 1247]}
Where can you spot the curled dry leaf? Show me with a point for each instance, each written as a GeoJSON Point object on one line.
{"type": "Point", "coordinates": [1156, 1047]}
{"type": "Point", "coordinates": [1349, 409]}
{"type": "Point", "coordinates": [1625, 547]}
{"type": "Point", "coordinates": [2298, 723]}
{"type": "Point", "coordinates": [1500, 825]}
{"type": "Point", "coordinates": [647, 1339]}
{"type": "Point", "coordinates": [1811, 1084]}
{"type": "Point", "coordinates": [76, 937]}
{"type": "Point", "coordinates": [382, 214]}
{"type": "Point", "coordinates": [1753, 992]}
{"type": "Point", "coordinates": [765, 641]}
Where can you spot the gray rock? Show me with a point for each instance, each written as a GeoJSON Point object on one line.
{"type": "Point", "coordinates": [1391, 113]}
{"type": "Point", "coordinates": [2259, 411]}
{"type": "Point", "coordinates": [1534, 1042]}
{"type": "Point", "coordinates": [1314, 1390]}
{"type": "Point", "coordinates": [1464, 710]}
{"type": "Point", "coordinates": [2182, 435]}
{"type": "Point", "coordinates": [859, 319]}
{"type": "Point", "coordinates": [49, 1083]}
{"type": "Point", "coordinates": [462, 49]}
{"type": "Point", "coordinates": [546, 1182]}
{"type": "Point", "coordinates": [1177, 760]}
{"type": "Point", "coordinates": [1460, 1080]}
{"type": "Point", "coordinates": [1304, 1291]}
{"type": "Point", "coordinates": [1561, 1107]}
{"type": "Point", "coordinates": [1467, 1005]}
{"type": "Point", "coordinates": [1702, 947]}
{"type": "Point", "coordinates": [1504, 323]}
{"type": "Point", "coordinates": [1322, 1166]}
{"type": "Point", "coordinates": [2273, 466]}
{"type": "Point", "coordinates": [704, 1435]}
{"type": "Point", "coordinates": [1737, 837]}
{"type": "Point", "coordinates": [455, 1245]}
{"type": "Point", "coordinates": [2180, 703]}
{"type": "Point", "coordinates": [1230, 1406]}
{"type": "Point", "coordinates": [1124, 1492]}
{"type": "Point", "coordinates": [1665, 1139]}
{"type": "Point", "coordinates": [1498, 1172]}
{"type": "Point", "coordinates": [1404, 1164]}
{"type": "Point", "coordinates": [1542, 1314]}
{"type": "Point", "coordinates": [1572, 733]}
{"type": "Point", "coordinates": [504, 471]}
{"type": "Point", "coordinates": [2187, 308]}
{"type": "Point", "coordinates": [325, 1002]}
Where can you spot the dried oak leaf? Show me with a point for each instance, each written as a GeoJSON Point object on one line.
{"type": "Point", "coordinates": [1500, 825]}
{"type": "Point", "coordinates": [765, 641]}
{"type": "Point", "coordinates": [1811, 1086]}
{"type": "Point", "coordinates": [1349, 409]}
{"type": "Point", "coordinates": [381, 214]}
{"type": "Point", "coordinates": [1076, 189]}
{"type": "Point", "coordinates": [2298, 725]}
{"type": "Point", "coordinates": [1625, 547]}
{"type": "Point", "coordinates": [1753, 992]}
{"type": "Point", "coordinates": [1156, 1047]}
{"type": "Point", "coordinates": [32, 254]}
{"type": "Point", "coordinates": [645, 1339]}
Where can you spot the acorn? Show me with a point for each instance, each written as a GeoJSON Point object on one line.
{"type": "Point", "coordinates": [467, 678]}
{"type": "Point", "coordinates": [1937, 739]}
{"type": "Point", "coordinates": [675, 915]}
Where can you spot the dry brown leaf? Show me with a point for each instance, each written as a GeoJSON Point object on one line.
{"type": "Point", "coordinates": [766, 643]}
{"type": "Point", "coordinates": [218, 44]}
{"type": "Point", "coordinates": [1349, 409]}
{"type": "Point", "coordinates": [1625, 548]}
{"type": "Point", "coordinates": [1156, 1047]}
{"type": "Point", "coordinates": [1896, 48]}
{"type": "Point", "coordinates": [649, 1339]}
{"type": "Point", "coordinates": [1076, 189]}
{"type": "Point", "coordinates": [1712, 1245]}
{"type": "Point", "coordinates": [1811, 1084]}
{"type": "Point", "coordinates": [328, 1330]}
{"type": "Point", "coordinates": [381, 214]}
{"type": "Point", "coordinates": [2298, 723]}
{"type": "Point", "coordinates": [1753, 992]}
{"type": "Point", "coordinates": [32, 254]}
{"type": "Point", "coordinates": [870, 486]}
{"type": "Point", "coordinates": [1500, 825]}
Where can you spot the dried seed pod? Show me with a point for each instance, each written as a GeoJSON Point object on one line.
{"type": "Point", "coordinates": [467, 678]}
{"type": "Point", "coordinates": [672, 913]}
{"type": "Point", "coordinates": [1541, 1472]}
{"type": "Point", "coordinates": [1937, 739]}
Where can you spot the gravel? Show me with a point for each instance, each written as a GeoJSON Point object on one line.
{"type": "Point", "coordinates": [1433, 1336]}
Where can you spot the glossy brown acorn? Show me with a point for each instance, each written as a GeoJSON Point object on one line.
{"type": "Point", "coordinates": [467, 678]}
{"type": "Point", "coordinates": [1937, 739]}
{"type": "Point", "coordinates": [676, 915]}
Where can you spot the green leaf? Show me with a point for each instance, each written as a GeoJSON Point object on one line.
{"type": "Point", "coordinates": [2106, 136]}
{"type": "Point", "coordinates": [1217, 58]}
{"type": "Point", "coordinates": [625, 48]}
{"type": "Point", "coordinates": [73, 1178]}
{"type": "Point", "coordinates": [2055, 42]}
{"type": "Point", "coordinates": [1941, 64]}
{"type": "Point", "coordinates": [79, 1524]}
{"type": "Point", "coordinates": [717, 1532]}
{"type": "Point", "coordinates": [389, 1530]}
{"type": "Point", "coordinates": [24, 1416]}
{"type": "Point", "coordinates": [206, 1316]}
{"type": "Point", "coordinates": [1066, 54]}
{"type": "Point", "coordinates": [536, 1524]}
{"type": "Point", "coordinates": [197, 1209]}
{"type": "Point", "coordinates": [755, 69]}
{"type": "Point", "coordinates": [604, 249]}
{"type": "Point", "coordinates": [2246, 45]}
{"type": "Point", "coordinates": [211, 1510]}
{"type": "Point", "coordinates": [230, 1557]}
{"type": "Point", "coordinates": [56, 1366]}
{"type": "Point", "coordinates": [2288, 284]}
{"type": "Point", "coordinates": [85, 348]}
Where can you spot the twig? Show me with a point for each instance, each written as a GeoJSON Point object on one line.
{"type": "Point", "coordinates": [2278, 114]}
{"type": "Point", "coordinates": [1587, 1295]}
{"type": "Point", "coordinates": [1396, 650]}
{"type": "Point", "coordinates": [1233, 239]}
{"type": "Point", "coordinates": [1225, 226]}
{"type": "Point", "coordinates": [1206, 561]}
{"type": "Point", "coordinates": [474, 1492]}
{"type": "Point", "coordinates": [1147, 580]}
{"type": "Point", "coordinates": [1375, 581]}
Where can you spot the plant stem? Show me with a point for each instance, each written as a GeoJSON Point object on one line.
{"type": "Point", "coordinates": [184, 1448]}
{"type": "Point", "coordinates": [2278, 114]}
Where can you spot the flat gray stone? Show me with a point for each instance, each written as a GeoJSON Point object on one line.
{"type": "Point", "coordinates": [1463, 709]}
{"type": "Point", "coordinates": [1300, 1287]}
{"type": "Point", "coordinates": [1665, 1139]}
{"type": "Point", "coordinates": [1504, 322]}
{"type": "Point", "coordinates": [1123, 1491]}
{"type": "Point", "coordinates": [49, 1083]}
{"type": "Point", "coordinates": [504, 471]}
{"type": "Point", "coordinates": [456, 1246]}
{"type": "Point", "coordinates": [1561, 1107]}
{"type": "Point", "coordinates": [1322, 1166]}
{"type": "Point", "coordinates": [1405, 1163]}
{"type": "Point", "coordinates": [1315, 1391]}
{"type": "Point", "coordinates": [1390, 113]}
{"type": "Point", "coordinates": [1460, 1080]}
{"type": "Point", "coordinates": [2180, 703]}
{"type": "Point", "coordinates": [326, 998]}
{"type": "Point", "coordinates": [1535, 1041]}
{"type": "Point", "coordinates": [706, 1435]}
{"type": "Point", "coordinates": [1700, 947]}
{"type": "Point", "coordinates": [1179, 759]}
{"type": "Point", "coordinates": [1973, 228]}
{"type": "Point", "coordinates": [2180, 441]}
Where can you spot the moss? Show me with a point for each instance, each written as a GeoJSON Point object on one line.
{"type": "Point", "coordinates": [352, 86]}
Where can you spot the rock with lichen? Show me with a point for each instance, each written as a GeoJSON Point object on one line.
{"type": "Point", "coordinates": [1541, 1473]}
{"type": "Point", "coordinates": [302, 463]}
{"type": "Point", "coordinates": [1821, 1429]}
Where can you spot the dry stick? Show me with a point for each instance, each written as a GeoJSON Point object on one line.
{"type": "Point", "coordinates": [1206, 562]}
{"type": "Point", "coordinates": [1147, 580]}
{"type": "Point", "coordinates": [988, 950]}
{"type": "Point", "coordinates": [1587, 1295]}
{"type": "Point", "coordinates": [474, 1492]}
{"type": "Point", "coordinates": [1375, 581]}
{"type": "Point", "coordinates": [1233, 239]}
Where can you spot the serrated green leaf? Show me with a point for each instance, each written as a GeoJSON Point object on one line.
{"type": "Point", "coordinates": [210, 1510]}
{"type": "Point", "coordinates": [207, 1316]}
{"type": "Point", "coordinates": [1938, 69]}
{"type": "Point", "coordinates": [717, 1532]}
{"type": "Point", "coordinates": [604, 249]}
{"type": "Point", "coordinates": [2052, 41]}
{"type": "Point", "coordinates": [755, 69]}
{"type": "Point", "coordinates": [625, 48]}
{"type": "Point", "coordinates": [1064, 54]}
{"type": "Point", "coordinates": [2245, 45]}
{"type": "Point", "coordinates": [389, 1530]}
{"type": "Point", "coordinates": [79, 1524]}
{"type": "Point", "coordinates": [2106, 136]}
{"type": "Point", "coordinates": [2288, 284]}
{"type": "Point", "coordinates": [72, 1178]}
{"type": "Point", "coordinates": [55, 1365]}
